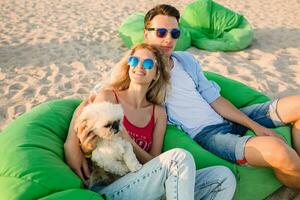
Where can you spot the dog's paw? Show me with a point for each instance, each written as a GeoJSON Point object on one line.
{"type": "Point", "coordinates": [122, 172]}
{"type": "Point", "coordinates": [136, 167]}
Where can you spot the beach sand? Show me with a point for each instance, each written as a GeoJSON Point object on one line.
{"type": "Point", "coordinates": [61, 49]}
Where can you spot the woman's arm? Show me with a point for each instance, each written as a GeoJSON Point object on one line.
{"type": "Point", "coordinates": [73, 150]}
{"type": "Point", "coordinates": [158, 137]}
{"type": "Point", "coordinates": [73, 154]}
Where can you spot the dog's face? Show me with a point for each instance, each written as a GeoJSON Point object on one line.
{"type": "Point", "coordinates": [104, 119]}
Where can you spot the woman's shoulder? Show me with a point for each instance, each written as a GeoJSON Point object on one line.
{"type": "Point", "coordinates": [106, 95]}
{"type": "Point", "coordinates": [160, 111]}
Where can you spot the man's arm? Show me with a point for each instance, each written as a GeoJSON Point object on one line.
{"type": "Point", "coordinates": [230, 112]}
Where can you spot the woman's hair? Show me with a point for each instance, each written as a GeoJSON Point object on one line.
{"type": "Point", "coordinates": [156, 93]}
{"type": "Point", "coordinates": [162, 9]}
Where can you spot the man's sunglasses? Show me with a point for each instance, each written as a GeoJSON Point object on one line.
{"type": "Point", "coordinates": [162, 32]}
{"type": "Point", "coordinates": [147, 63]}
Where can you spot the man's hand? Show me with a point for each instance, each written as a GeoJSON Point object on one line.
{"type": "Point", "coordinates": [263, 131]}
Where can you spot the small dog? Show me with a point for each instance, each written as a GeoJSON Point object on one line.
{"type": "Point", "coordinates": [113, 157]}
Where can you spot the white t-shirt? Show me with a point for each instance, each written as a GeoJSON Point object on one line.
{"type": "Point", "coordinates": [186, 105]}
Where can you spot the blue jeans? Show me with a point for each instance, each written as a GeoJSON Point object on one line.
{"type": "Point", "coordinates": [227, 140]}
{"type": "Point", "coordinates": [173, 175]}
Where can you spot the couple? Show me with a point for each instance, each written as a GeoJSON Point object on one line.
{"type": "Point", "coordinates": [139, 86]}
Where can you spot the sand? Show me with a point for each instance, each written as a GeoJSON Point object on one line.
{"type": "Point", "coordinates": [61, 49]}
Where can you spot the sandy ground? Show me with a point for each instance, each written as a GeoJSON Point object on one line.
{"type": "Point", "coordinates": [61, 49]}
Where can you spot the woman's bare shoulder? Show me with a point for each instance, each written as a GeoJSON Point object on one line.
{"type": "Point", "coordinates": [160, 111]}
{"type": "Point", "coordinates": [106, 95]}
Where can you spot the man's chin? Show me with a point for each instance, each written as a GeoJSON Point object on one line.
{"type": "Point", "coordinates": [168, 52]}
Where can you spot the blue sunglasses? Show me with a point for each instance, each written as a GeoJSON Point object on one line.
{"type": "Point", "coordinates": [147, 63]}
{"type": "Point", "coordinates": [162, 32]}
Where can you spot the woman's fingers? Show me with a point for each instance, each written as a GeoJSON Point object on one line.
{"type": "Point", "coordinates": [91, 98]}
{"type": "Point", "coordinates": [90, 143]}
{"type": "Point", "coordinates": [84, 131]}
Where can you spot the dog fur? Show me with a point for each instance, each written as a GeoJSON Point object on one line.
{"type": "Point", "coordinates": [113, 157]}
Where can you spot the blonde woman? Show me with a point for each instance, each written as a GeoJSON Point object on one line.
{"type": "Point", "coordinates": [139, 84]}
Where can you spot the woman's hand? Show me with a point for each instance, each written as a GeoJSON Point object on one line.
{"type": "Point", "coordinates": [73, 153]}
{"type": "Point", "coordinates": [87, 138]}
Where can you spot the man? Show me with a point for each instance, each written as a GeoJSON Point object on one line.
{"type": "Point", "coordinates": [221, 130]}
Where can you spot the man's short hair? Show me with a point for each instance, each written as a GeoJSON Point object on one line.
{"type": "Point", "coordinates": [162, 9]}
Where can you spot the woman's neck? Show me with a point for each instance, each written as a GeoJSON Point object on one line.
{"type": "Point", "coordinates": [135, 95]}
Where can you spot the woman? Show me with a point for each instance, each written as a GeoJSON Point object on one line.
{"type": "Point", "coordinates": [139, 84]}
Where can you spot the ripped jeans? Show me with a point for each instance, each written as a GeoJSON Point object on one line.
{"type": "Point", "coordinates": [173, 175]}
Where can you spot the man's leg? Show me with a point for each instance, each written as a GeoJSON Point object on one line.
{"type": "Point", "coordinates": [217, 183]}
{"type": "Point", "coordinates": [270, 152]}
{"type": "Point", "coordinates": [265, 151]}
{"type": "Point", "coordinates": [288, 109]}
{"type": "Point", "coordinates": [171, 173]}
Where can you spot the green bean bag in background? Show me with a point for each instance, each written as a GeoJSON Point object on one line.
{"type": "Point", "coordinates": [32, 159]}
{"type": "Point", "coordinates": [204, 24]}
{"type": "Point", "coordinates": [216, 28]}
{"type": "Point", "coordinates": [131, 32]}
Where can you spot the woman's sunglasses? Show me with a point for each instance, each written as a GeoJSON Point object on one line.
{"type": "Point", "coordinates": [147, 63]}
{"type": "Point", "coordinates": [162, 32]}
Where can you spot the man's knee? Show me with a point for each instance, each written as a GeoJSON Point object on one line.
{"type": "Point", "coordinates": [281, 156]}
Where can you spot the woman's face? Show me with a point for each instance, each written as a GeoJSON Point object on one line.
{"type": "Point", "coordinates": [142, 67]}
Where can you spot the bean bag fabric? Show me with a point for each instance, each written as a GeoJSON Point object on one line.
{"type": "Point", "coordinates": [204, 24]}
{"type": "Point", "coordinates": [32, 156]}
{"type": "Point", "coordinates": [131, 32]}
{"type": "Point", "coordinates": [32, 160]}
{"type": "Point", "coordinates": [216, 28]}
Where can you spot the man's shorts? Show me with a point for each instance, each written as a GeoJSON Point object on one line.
{"type": "Point", "coordinates": [227, 140]}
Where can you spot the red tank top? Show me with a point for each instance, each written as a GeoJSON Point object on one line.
{"type": "Point", "coordinates": [143, 136]}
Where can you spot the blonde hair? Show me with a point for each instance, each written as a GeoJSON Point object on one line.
{"type": "Point", "coordinates": [156, 93]}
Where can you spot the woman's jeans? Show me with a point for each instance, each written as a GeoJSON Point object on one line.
{"type": "Point", "coordinates": [172, 174]}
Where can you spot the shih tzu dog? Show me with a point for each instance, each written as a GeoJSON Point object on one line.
{"type": "Point", "coordinates": [113, 156]}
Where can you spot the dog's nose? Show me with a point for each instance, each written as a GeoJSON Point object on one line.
{"type": "Point", "coordinates": [115, 127]}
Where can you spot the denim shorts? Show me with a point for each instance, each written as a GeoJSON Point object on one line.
{"type": "Point", "coordinates": [227, 140]}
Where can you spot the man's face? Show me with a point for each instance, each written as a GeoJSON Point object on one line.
{"type": "Point", "coordinates": [167, 43]}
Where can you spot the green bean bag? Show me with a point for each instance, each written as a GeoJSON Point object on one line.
{"type": "Point", "coordinates": [204, 24]}
{"type": "Point", "coordinates": [32, 160]}
{"type": "Point", "coordinates": [216, 28]}
{"type": "Point", "coordinates": [131, 32]}
{"type": "Point", "coordinates": [32, 156]}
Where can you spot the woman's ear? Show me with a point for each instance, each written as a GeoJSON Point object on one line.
{"type": "Point", "coordinates": [157, 75]}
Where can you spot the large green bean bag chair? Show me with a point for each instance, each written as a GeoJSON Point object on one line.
{"type": "Point", "coordinates": [32, 160]}
{"type": "Point", "coordinates": [216, 28]}
{"type": "Point", "coordinates": [204, 24]}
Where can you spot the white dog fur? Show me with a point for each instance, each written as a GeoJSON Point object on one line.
{"type": "Point", "coordinates": [113, 154]}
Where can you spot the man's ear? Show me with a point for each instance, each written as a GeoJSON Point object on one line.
{"type": "Point", "coordinates": [146, 33]}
